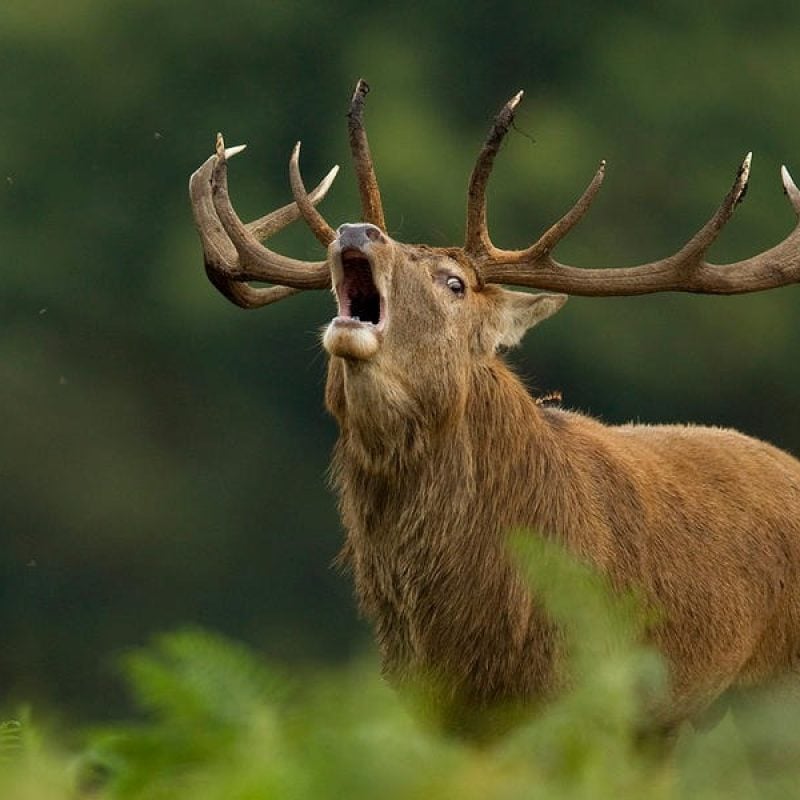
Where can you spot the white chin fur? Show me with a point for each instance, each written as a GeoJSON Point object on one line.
{"type": "Point", "coordinates": [360, 342]}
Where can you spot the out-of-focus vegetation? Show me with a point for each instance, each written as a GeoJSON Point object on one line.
{"type": "Point", "coordinates": [162, 454]}
{"type": "Point", "coordinates": [217, 723]}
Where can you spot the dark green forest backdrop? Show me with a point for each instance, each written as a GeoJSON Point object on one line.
{"type": "Point", "coordinates": [163, 454]}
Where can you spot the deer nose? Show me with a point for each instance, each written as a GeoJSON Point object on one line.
{"type": "Point", "coordinates": [358, 235]}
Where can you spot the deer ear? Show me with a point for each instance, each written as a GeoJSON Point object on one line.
{"type": "Point", "coordinates": [520, 311]}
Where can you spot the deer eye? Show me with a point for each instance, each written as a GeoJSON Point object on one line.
{"type": "Point", "coordinates": [455, 285]}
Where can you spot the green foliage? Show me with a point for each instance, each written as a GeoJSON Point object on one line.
{"type": "Point", "coordinates": [218, 724]}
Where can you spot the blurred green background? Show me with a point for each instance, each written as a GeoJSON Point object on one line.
{"type": "Point", "coordinates": [162, 453]}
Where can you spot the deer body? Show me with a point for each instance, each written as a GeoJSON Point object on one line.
{"type": "Point", "coordinates": [695, 518]}
{"type": "Point", "coordinates": [442, 452]}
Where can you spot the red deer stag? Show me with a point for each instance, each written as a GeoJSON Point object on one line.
{"type": "Point", "coordinates": [442, 451]}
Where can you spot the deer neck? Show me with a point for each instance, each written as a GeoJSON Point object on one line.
{"type": "Point", "coordinates": [438, 494]}
{"type": "Point", "coordinates": [388, 425]}
{"type": "Point", "coordinates": [420, 542]}
{"type": "Point", "coordinates": [409, 434]}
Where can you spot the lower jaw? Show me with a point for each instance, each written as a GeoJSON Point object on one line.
{"type": "Point", "coordinates": [351, 340]}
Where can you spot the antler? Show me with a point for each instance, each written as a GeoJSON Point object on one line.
{"type": "Point", "coordinates": [371, 205]}
{"type": "Point", "coordinates": [685, 271]}
{"type": "Point", "coordinates": [233, 252]}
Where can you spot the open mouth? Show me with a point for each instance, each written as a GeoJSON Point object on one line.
{"type": "Point", "coordinates": [360, 302]}
{"type": "Point", "coordinates": [357, 332]}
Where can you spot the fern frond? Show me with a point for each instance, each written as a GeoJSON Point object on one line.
{"type": "Point", "coordinates": [10, 739]}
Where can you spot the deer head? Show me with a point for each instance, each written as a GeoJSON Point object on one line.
{"type": "Point", "coordinates": [429, 312]}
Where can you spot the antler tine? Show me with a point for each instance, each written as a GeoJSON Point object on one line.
{"type": "Point", "coordinates": [685, 271]}
{"type": "Point", "coordinates": [790, 190]}
{"type": "Point", "coordinates": [553, 235]}
{"type": "Point", "coordinates": [694, 250]}
{"type": "Point", "coordinates": [257, 262]}
{"type": "Point", "coordinates": [264, 227]}
{"type": "Point", "coordinates": [220, 256]}
{"type": "Point", "coordinates": [371, 205]}
{"type": "Point", "coordinates": [477, 241]}
{"type": "Point", "coordinates": [324, 233]}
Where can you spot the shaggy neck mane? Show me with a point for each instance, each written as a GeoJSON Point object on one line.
{"type": "Point", "coordinates": [422, 556]}
{"type": "Point", "coordinates": [384, 431]}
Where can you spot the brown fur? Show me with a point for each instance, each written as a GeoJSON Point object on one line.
{"type": "Point", "coordinates": [442, 452]}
